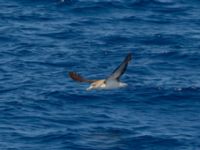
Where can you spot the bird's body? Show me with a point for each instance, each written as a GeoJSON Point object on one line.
{"type": "Point", "coordinates": [102, 84]}
{"type": "Point", "coordinates": [109, 83]}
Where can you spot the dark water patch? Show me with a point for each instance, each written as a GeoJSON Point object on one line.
{"type": "Point", "coordinates": [143, 142]}
{"type": "Point", "coordinates": [129, 19]}
{"type": "Point", "coordinates": [110, 40]}
{"type": "Point", "coordinates": [7, 90]}
{"type": "Point", "coordinates": [179, 10]}
{"type": "Point", "coordinates": [89, 9]}
{"type": "Point", "coordinates": [50, 64]}
{"type": "Point", "coordinates": [96, 7]}
{"type": "Point", "coordinates": [160, 39]}
{"type": "Point", "coordinates": [60, 35]}
{"type": "Point", "coordinates": [176, 95]}
{"type": "Point", "coordinates": [154, 3]}
{"type": "Point", "coordinates": [31, 17]}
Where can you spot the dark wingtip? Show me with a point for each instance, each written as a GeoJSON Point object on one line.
{"type": "Point", "coordinates": [71, 73]}
{"type": "Point", "coordinates": [75, 76]}
{"type": "Point", "coordinates": [129, 56]}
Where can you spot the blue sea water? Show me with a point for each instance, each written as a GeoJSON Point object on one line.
{"type": "Point", "coordinates": [41, 108]}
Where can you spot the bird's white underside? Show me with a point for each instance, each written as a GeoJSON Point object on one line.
{"type": "Point", "coordinates": [108, 85]}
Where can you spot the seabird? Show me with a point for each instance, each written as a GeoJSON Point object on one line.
{"type": "Point", "coordinates": [113, 81]}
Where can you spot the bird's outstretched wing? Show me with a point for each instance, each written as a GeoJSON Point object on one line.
{"type": "Point", "coordinates": [79, 78]}
{"type": "Point", "coordinates": [119, 71]}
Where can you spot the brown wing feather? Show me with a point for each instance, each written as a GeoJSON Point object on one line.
{"type": "Point", "coordinates": [78, 78]}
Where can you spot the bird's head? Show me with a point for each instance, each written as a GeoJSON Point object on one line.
{"type": "Point", "coordinates": [96, 85]}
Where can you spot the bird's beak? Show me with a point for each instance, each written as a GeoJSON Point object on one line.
{"type": "Point", "coordinates": [90, 88]}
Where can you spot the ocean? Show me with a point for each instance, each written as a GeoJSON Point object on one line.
{"type": "Point", "coordinates": [41, 108]}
